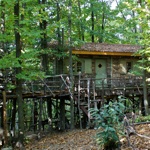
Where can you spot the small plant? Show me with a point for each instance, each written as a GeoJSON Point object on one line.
{"type": "Point", "coordinates": [107, 120]}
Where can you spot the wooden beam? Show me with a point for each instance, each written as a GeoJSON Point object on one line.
{"type": "Point", "coordinates": [81, 52]}
{"type": "Point", "coordinates": [5, 118]}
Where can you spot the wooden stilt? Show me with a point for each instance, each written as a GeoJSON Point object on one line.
{"type": "Point", "coordinates": [88, 94]}
{"type": "Point", "coordinates": [13, 120]}
{"type": "Point", "coordinates": [49, 107]}
{"type": "Point", "coordinates": [79, 97]}
{"type": "Point", "coordinates": [5, 118]}
{"type": "Point", "coordinates": [35, 116]}
{"type": "Point", "coordinates": [40, 114]}
{"type": "Point", "coordinates": [62, 113]}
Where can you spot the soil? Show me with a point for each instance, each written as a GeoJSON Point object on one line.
{"type": "Point", "coordinates": [84, 140]}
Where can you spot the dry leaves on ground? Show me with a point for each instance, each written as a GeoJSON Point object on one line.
{"type": "Point", "coordinates": [84, 140]}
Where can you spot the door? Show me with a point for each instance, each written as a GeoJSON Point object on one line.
{"type": "Point", "coordinates": [100, 68]}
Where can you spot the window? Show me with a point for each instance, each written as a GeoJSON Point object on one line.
{"type": "Point", "coordinates": [100, 66]}
{"type": "Point", "coordinates": [79, 66]}
{"type": "Point", "coordinates": [74, 67]}
{"type": "Point", "coordinates": [129, 67]}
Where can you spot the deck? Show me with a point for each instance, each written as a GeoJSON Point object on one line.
{"type": "Point", "coordinates": [59, 85]}
{"type": "Point", "coordinates": [87, 92]}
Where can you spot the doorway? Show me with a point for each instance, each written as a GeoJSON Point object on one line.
{"type": "Point", "coordinates": [100, 68]}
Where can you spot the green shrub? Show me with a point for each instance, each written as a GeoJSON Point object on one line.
{"type": "Point", "coordinates": [107, 121]}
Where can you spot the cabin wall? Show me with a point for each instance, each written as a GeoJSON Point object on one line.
{"type": "Point", "coordinates": [115, 66]}
{"type": "Point", "coordinates": [66, 66]}
{"type": "Point", "coordinates": [88, 66]}
{"type": "Point", "coordinates": [109, 67]}
{"type": "Point", "coordinates": [123, 66]}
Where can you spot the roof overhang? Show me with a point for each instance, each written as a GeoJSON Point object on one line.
{"type": "Point", "coordinates": [81, 52]}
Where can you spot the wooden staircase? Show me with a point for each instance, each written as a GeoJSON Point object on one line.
{"type": "Point", "coordinates": [86, 98]}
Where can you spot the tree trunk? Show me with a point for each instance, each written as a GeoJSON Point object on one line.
{"type": "Point", "coordinates": [18, 71]}
{"type": "Point", "coordinates": [92, 19]}
{"type": "Point", "coordinates": [43, 25]}
{"type": "Point", "coordinates": [2, 28]}
{"type": "Point", "coordinates": [59, 61]}
{"type": "Point", "coordinates": [102, 29]}
{"type": "Point", "coordinates": [81, 29]}
{"type": "Point", "coordinates": [70, 68]}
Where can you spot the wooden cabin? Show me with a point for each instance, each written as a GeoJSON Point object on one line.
{"type": "Point", "coordinates": [100, 60]}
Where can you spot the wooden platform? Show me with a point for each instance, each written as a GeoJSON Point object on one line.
{"type": "Point", "coordinates": [88, 93]}
{"type": "Point", "coordinates": [54, 86]}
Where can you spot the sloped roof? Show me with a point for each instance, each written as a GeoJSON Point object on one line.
{"type": "Point", "coordinates": [100, 48]}
{"type": "Point", "coordinates": [103, 47]}
{"type": "Point", "coordinates": [106, 49]}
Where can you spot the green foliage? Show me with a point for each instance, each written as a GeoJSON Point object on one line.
{"type": "Point", "coordinates": [142, 13]}
{"type": "Point", "coordinates": [29, 62]}
{"type": "Point", "coordinates": [126, 23]}
{"type": "Point", "coordinates": [142, 118]}
{"type": "Point", "coordinates": [107, 120]}
{"type": "Point", "coordinates": [9, 61]}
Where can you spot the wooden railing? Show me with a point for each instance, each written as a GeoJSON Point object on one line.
{"type": "Point", "coordinates": [60, 84]}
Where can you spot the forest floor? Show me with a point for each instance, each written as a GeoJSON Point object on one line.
{"type": "Point", "coordinates": [84, 140]}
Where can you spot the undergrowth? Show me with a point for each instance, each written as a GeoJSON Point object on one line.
{"type": "Point", "coordinates": [109, 125]}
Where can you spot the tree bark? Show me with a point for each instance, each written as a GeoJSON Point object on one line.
{"type": "Point", "coordinates": [81, 29]}
{"type": "Point", "coordinates": [59, 61]}
{"type": "Point", "coordinates": [18, 71]}
{"type": "Point", "coordinates": [92, 20]}
{"type": "Point", "coordinates": [70, 68]}
{"type": "Point", "coordinates": [43, 26]}
{"type": "Point", "coordinates": [3, 23]}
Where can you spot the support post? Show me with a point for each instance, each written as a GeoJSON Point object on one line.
{"type": "Point", "coordinates": [89, 103]}
{"type": "Point", "coordinates": [103, 101]}
{"type": "Point", "coordinates": [79, 96]}
{"type": "Point", "coordinates": [4, 118]}
{"type": "Point", "coordinates": [13, 120]}
{"type": "Point", "coordinates": [49, 107]}
{"type": "Point", "coordinates": [35, 116]}
{"type": "Point", "coordinates": [94, 94]}
{"type": "Point", "coordinates": [40, 114]}
{"type": "Point", "coordinates": [145, 94]}
{"type": "Point", "coordinates": [62, 113]}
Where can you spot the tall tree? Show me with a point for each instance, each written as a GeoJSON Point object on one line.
{"type": "Point", "coordinates": [70, 63]}
{"type": "Point", "coordinates": [92, 22]}
{"type": "Point", "coordinates": [143, 12]}
{"type": "Point", "coordinates": [81, 26]}
{"type": "Point", "coordinates": [59, 61]}
{"type": "Point", "coordinates": [18, 71]}
{"type": "Point", "coordinates": [43, 25]}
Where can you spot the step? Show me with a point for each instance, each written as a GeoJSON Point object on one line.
{"type": "Point", "coordinates": [96, 100]}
